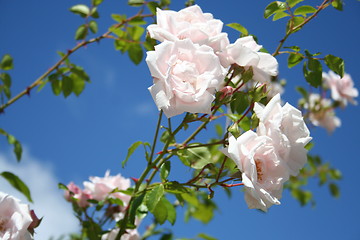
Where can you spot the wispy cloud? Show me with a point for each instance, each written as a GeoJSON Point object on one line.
{"type": "Point", "coordinates": [48, 201]}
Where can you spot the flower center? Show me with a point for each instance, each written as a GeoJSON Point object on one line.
{"type": "Point", "coordinates": [259, 170]}
{"type": "Point", "coordinates": [3, 222]}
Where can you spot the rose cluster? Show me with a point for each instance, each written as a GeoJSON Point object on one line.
{"type": "Point", "coordinates": [321, 110]}
{"type": "Point", "coordinates": [104, 190]}
{"type": "Point", "coordinates": [189, 66]}
{"type": "Point", "coordinates": [192, 60]}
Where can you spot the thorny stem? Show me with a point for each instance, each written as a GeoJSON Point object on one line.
{"type": "Point", "coordinates": [39, 80]}
{"type": "Point", "coordinates": [292, 29]}
{"type": "Point", "coordinates": [155, 136]}
{"type": "Point", "coordinates": [221, 169]}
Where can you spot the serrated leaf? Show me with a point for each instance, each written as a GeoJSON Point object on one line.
{"type": "Point", "coordinates": [294, 59]}
{"type": "Point", "coordinates": [6, 62]}
{"type": "Point", "coordinates": [165, 171]}
{"type": "Point", "coordinates": [81, 32]}
{"type": "Point", "coordinates": [135, 53]}
{"type": "Point", "coordinates": [336, 64]}
{"type": "Point", "coordinates": [153, 197]}
{"type": "Point", "coordinates": [273, 8]}
{"type": "Point", "coordinates": [238, 27]}
{"type": "Point", "coordinates": [131, 150]}
{"type": "Point", "coordinates": [18, 184]}
{"type": "Point", "coordinates": [67, 86]}
{"type": "Point", "coordinates": [293, 3]}
{"type": "Point", "coordinates": [80, 9]}
{"type": "Point", "coordinates": [280, 15]}
{"type": "Point", "coordinates": [93, 26]}
{"type": "Point", "coordinates": [303, 10]}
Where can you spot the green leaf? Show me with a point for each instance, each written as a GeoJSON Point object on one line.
{"type": "Point", "coordinates": [337, 4]}
{"type": "Point", "coordinates": [295, 48]}
{"type": "Point", "coordinates": [303, 10]}
{"type": "Point", "coordinates": [96, 2]}
{"type": "Point", "coordinates": [135, 53]}
{"type": "Point", "coordinates": [239, 103]}
{"type": "Point", "coordinates": [206, 237]}
{"type": "Point", "coordinates": [134, 207]}
{"type": "Point", "coordinates": [153, 197]}
{"type": "Point", "coordinates": [152, 7]}
{"type": "Point", "coordinates": [175, 188]}
{"type": "Point", "coordinates": [137, 21]}
{"type": "Point", "coordinates": [6, 62]}
{"type": "Point", "coordinates": [219, 130]}
{"type": "Point", "coordinates": [170, 209]}
{"type": "Point", "coordinates": [165, 171]}
{"type": "Point", "coordinates": [17, 183]}
{"type": "Point", "coordinates": [293, 23]}
{"type": "Point", "coordinates": [94, 13]}
{"type": "Point", "coordinates": [280, 15]}
{"type": "Point", "coordinates": [80, 9]}
{"type": "Point", "coordinates": [273, 8]}
{"type": "Point", "coordinates": [136, 2]}
{"type": "Point", "coordinates": [196, 158]}
{"type": "Point", "coordinates": [334, 190]}
{"type": "Point", "coordinates": [67, 86]}
{"type": "Point", "coordinates": [336, 64]}
{"type": "Point", "coordinates": [80, 72]}
{"type": "Point", "coordinates": [93, 26]}
{"type": "Point", "coordinates": [238, 27]}
{"type": "Point", "coordinates": [335, 174]}
{"type": "Point", "coordinates": [160, 212]}
{"type": "Point", "coordinates": [136, 32]}
{"type": "Point", "coordinates": [293, 3]}
{"type": "Point", "coordinates": [17, 146]}
{"type": "Point", "coordinates": [118, 18]}
{"type": "Point", "coordinates": [303, 92]}
{"type": "Point", "coordinates": [131, 150]}
{"type": "Point", "coordinates": [78, 84]}
{"type": "Point", "coordinates": [313, 72]}
{"type": "Point", "coordinates": [294, 59]}
{"type": "Point", "coordinates": [121, 45]}
{"type": "Point", "coordinates": [6, 79]}
{"type": "Point", "coordinates": [81, 32]}
{"type": "Point", "coordinates": [56, 85]}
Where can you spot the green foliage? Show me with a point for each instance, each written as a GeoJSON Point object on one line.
{"type": "Point", "coordinates": [6, 62]}
{"type": "Point", "coordinates": [336, 64]}
{"type": "Point", "coordinates": [273, 8]}
{"type": "Point", "coordinates": [81, 32]}
{"type": "Point", "coordinates": [304, 10]}
{"type": "Point", "coordinates": [312, 70]}
{"type": "Point", "coordinates": [136, 3]}
{"type": "Point", "coordinates": [294, 59]}
{"type": "Point", "coordinates": [240, 102]}
{"type": "Point", "coordinates": [13, 141]}
{"type": "Point", "coordinates": [280, 15]}
{"type": "Point", "coordinates": [238, 27]}
{"type": "Point", "coordinates": [337, 4]}
{"type": "Point", "coordinates": [165, 171]}
{"type": "Point", "coordinates": [18, 184]}
{"type": "Point", "coordinates": [131, 150]}
{"type": "Point", "coordinates": [197, 157]}
{"type": "Point", "coordinates": [293, 3]}
{"type": "Point", "coordinates": [80, 9]}
{"type": "Point", "coordinates": [294, 23]}
{"type": "Point", "coordinates": [199, 206]}
{"type": "Point", "coordinates": [93, 26]}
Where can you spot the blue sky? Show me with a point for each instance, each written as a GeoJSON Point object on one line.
{"type": "Point", "coordinates": [78, 137]}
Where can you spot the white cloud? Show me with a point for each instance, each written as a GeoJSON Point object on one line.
{"type": "Point", "coordinates": [48, 199]}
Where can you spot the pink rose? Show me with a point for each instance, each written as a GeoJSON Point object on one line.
{"type": "Point", "coordinates": [186, 76]}
{"type": "Point", "coordinates": [189, 23]}
{"type": "Point", "coordinates": [80, 196]}
{"type": "Point", "coordinates": [245, 53]}
{"type": "Point", "coordinates": [101, 188]}
{"type": "Point", "coordinates": [287, 129]}
{"type": "Point", "coordinates": [342, 89]}
{"type": "Point", "coordinates": [15, 218]}
{"type": "Point", "coordinates": [263, 173]}
{"type": "Point", "coordinates": [321, 113]}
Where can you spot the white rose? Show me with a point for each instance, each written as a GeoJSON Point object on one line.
{"type": "Point", "coordinates": [15, 218]}
{"type": "Point", "coordinates": [342, 89]}
{"type": "Point", "coordinates": [185, 75]}
{"type": "Point", "coordinates": [245, 53]}
{"type": "Point", "coordinates": [287, 129]}
{"type": "Point", "coordinates": [189, 23]}
{"type": "Point", "coordinates": [263, 173]}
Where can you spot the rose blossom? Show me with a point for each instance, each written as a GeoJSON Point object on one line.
{"type": "Point", "coordinates": [321, 113]}
{"type": "Point", "coordinates": [342, 89]}
{"type": "Point", "coordinates": [186, 76]}
{"type": "Point", "coordinates": [80, 196]}
{"type": "Point", "coordinates": [15, 218]}
{"type": "Point", "coordinates": [101, 188]}
{"type": "Point", "coordinates": [189, 23]}
{"type": "Point", "coordinates": [245, 53]}
{"type": "Point", "coordinates": [286, 127]}
{"type": "Point", "coordinates": [263, 173]}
